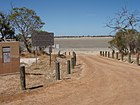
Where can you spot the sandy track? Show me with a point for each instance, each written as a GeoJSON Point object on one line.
{"type": "Point", "coordinates": [103, 82]}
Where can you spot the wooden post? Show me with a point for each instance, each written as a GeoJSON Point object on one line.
{"type": "Point", "coordinates": [36, 56]}
{"type": "Point", "coordinates": [138, 59]}
{"type": "Point", "coordinates": [57, 71]}
{"type": "Point", "coordinates": [100, 53]}
{"type": "Point", "coordinates": [105, 53]}
{"type": "Point", "coordinates": [74, 56]}
{"type": "Point", "coordinates": [108, 54]}
{"type": "Point", "coordinates": [122, 56]}
{"type": "Point", "coordinates": [72, 63]}
{"type": "Point", "coordinates": [69, 53]}
{"type": "Point", "coordinates": [117, 55]}
{"type": "Point", "coordinates": [50, 59]}
{"type": "Point", "coordinates": [129, 57]}
{"type": "Point", "coordinates": [113, 55]}
{"type": "Point", "coordinates": [68, 67]}
{"type": "Point", "coordinates": [73, 53]}
{"type": "Point", "coordinates": [50, 52]}
{"type": "Point", "coordinates": [22, 78]}
{"type": "Point", "coordinates": [65, 53]}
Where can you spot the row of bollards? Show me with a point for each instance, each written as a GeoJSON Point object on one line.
{"type": "Point", "coordinates": [65, 53]}
{"type": "Point", "coordinates": [107, 54]}
{"type": "Point", "coordinates": [113, 56]}
{"type": "Point", "coordinates": [70, 65]}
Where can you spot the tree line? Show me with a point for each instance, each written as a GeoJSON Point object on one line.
{"type": "Point", "coordinates": [83, 36]}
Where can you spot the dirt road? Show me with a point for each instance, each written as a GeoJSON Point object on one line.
{"type": "Point", "coordinates": [103, 82]}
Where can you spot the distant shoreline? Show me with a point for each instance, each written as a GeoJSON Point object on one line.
{"type": "Point", "coordinates": [82, 36]}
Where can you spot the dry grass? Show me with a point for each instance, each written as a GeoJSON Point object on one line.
{"type": "Point", "coordinates": [36, 75]}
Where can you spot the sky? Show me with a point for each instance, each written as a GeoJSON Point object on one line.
{"type": "Point", "coordinates": [74, 17]}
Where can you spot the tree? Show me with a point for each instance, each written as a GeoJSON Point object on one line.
{"type": "Point", "coordinates": [138, 42]}
{"type": "Point", "coordinates": [124, 20]}
{"type": "Point", "coordinates": [125, 41]}
{"type": "Point", "coordinates": [119, 42]}
{"type": "Point", "coordinates": [131, 39]}
{"type": "Point", "coordinates": [125, 25]}
{"type": "Point", "coordinates": [6, 30]}
{"type": "Point", "coordinates": [25, 21]}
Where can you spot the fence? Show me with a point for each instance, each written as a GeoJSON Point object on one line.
{"type": "Point", "coordinates": [69, 69]}
{"type": "Point", "coordinates": [130, 58]}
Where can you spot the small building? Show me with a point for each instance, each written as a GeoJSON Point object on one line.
{"type": "Point", "coordinates": [9, 57]}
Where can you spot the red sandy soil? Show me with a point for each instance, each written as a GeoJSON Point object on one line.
{"type": "Point", "coordinates": [102, 81]}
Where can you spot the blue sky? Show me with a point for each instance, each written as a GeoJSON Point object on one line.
{"type": "Point", "coordinates": [74, 17]}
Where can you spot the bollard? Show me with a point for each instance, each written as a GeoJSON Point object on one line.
{"type": "Point", "coordinates": [108, 54]}
{"type": "Point", "coordinates": [73, 53]}
{"type": "Point", "coordinates": [74, 56]}
{"type": "Point", "coordinates": [69, 53]}
{"type": "Point", "coordinates": [122, 56]}
{"type": "Point", "coordinates": [65, 53]}
{"type": "Point", "coordinates": [22, 78]}
{"type": "Point", "coordinates": [68, 67]}
{"type": "Point", "coordinates": [100, 53]}
{"type": "Point", "coordinates": [138, 59]}
{"type": "Point", "coordinates": [113, 55]}
{"type": "Point", "coordinates": [105, 53]}
{"type": "Point", "coordinates": [117, 55]}
{"type": "Point", "coordinates": [72, 63]}
{"type": "Point", "coordinates": [74, 59]}
{"type": "Point", "coordinates": [57, 71]}
{"type": "Point", "coordinates": [129, 57]}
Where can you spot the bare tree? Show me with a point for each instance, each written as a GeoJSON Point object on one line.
{"type": "Point", "coordinates": [124, 20]}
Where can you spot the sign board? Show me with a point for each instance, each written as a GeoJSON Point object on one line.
{"type": "Point", "coordinates": [57, 46]}
{"type": "Point", "coordinates": [42, 38]}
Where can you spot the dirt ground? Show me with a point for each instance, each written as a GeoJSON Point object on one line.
{"type": "Point", "coordinates": [102, 81]}
{"type": "Point", "coordinates": [38, 75]}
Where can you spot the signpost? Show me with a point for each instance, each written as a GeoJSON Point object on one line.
{"type": "Point", "coordinates": [50, 51]}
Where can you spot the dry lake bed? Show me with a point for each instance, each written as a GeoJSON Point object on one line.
{"type": "Point", "coordinates": [83, 44]}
